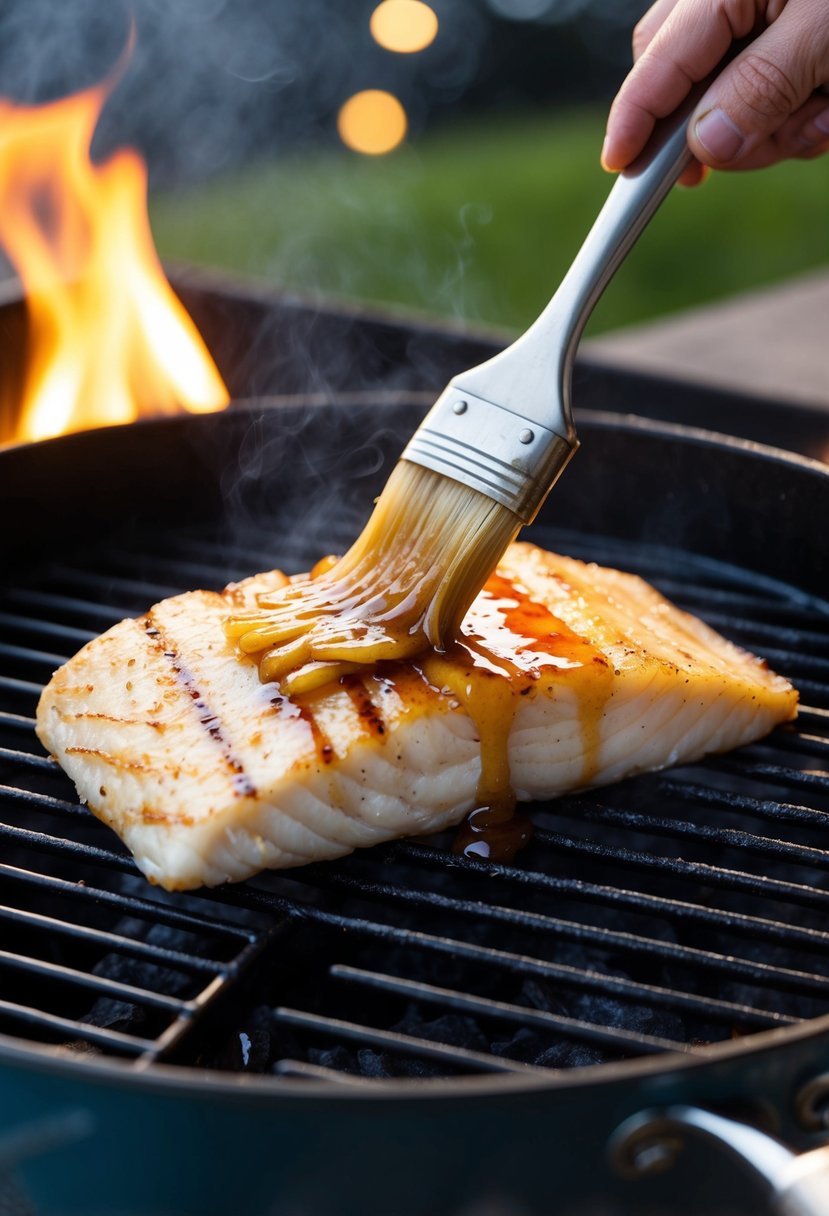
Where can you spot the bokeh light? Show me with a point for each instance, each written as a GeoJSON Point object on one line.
{"type": "Point", "coordinates": [372, 122]}
{"type": "Point", "coordinates": [404, 26]}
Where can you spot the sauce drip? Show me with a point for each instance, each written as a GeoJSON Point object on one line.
{"type": "Point", "coordinates": [509, 647]}
{"type": "Point", "coordinates": [486, 835]}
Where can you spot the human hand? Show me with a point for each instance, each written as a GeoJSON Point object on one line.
{"type": "Point", "coordinates": [769, 104]}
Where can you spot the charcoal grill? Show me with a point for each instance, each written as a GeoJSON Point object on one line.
{"type": "Point", "coordinates": [407, 1030]}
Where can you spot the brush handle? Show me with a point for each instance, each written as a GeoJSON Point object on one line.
{"type": "Point", "coordinates": [635, 197]}
{"type": "Point", "coordinates": [506, 428]}
{"type": "Point", "coordinates": [520, 375]}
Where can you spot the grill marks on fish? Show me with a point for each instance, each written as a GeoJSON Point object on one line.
{"type": "Point", "coordinates": [88, 715]}
{"type": "Point", "coordinates": [369, 713]}
{"type": "Point", "coordinates": [210, 722]}
{"type": "Point", "coordinates": [122, 762]}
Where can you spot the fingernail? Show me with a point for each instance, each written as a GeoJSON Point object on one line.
{"type": "Point", "coordinates": [815, 131]}
{"type": "Point", "coordinates": [720, 137]}
{"type": "Point", "coordinates": [821, 121]}
{"type": "Point", "coordinates": [603, 156]}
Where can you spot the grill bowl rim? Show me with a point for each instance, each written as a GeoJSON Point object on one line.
{"type": "Point", "coordinates": [587, 419]}
{"type": "Point", "coordinates": [228, 1085]}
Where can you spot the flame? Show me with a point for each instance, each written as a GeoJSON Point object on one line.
{"type": "Point", "coordinates": [372, 122]}
{"type": "Point", "coordinates": [108, 338]}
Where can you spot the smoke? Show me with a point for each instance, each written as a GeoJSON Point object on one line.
{"type": "Point", "coordinates": [214, 82]}
{"type": "Point", "coordinates": [203, 85]}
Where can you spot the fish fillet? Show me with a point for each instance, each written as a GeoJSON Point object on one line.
{"type": "Point", "coordinates": [584, 674]}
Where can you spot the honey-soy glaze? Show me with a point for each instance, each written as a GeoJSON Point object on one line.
{"type": "Point", "coordinates": [509, 647]}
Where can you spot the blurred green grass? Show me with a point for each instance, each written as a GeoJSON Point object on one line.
{"type": "Point", "coordinates": [480, 222]}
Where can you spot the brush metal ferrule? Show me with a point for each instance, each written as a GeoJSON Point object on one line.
{"type": "Point", "coordinates": [509, 458]}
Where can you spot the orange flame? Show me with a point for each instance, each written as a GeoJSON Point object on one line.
{"type": "Point", "coordinates": [108, 339]}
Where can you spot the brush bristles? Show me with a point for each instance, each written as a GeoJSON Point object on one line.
{"type": "Point", "coordinates": [405, 583]}
{"type": "Point", "coordinates": [463, 537]}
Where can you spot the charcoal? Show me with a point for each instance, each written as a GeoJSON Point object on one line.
{"type": "Point", "coordinates": [338, 1058]}
{"type": "Point", "coordinates": [450, 1028]}
{"type": "Point", "coordinates": [374, 1064]}
{"type": "Point", "coordinates": [111, 1014]}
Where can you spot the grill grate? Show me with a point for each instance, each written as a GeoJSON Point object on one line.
{"type": "Point", "coordinates": [658, 915]}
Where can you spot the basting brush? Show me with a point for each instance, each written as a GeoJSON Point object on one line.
{"type": "Point", "coordinates": [477, 470]}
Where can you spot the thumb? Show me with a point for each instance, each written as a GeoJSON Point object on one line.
{"type": "Point", "coordinates": [763, 86]}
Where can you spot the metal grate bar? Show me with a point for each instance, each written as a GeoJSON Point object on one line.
{"type": "Point", "coordinates": [17, 721]}
{"type": "Point", "coordinates": [169, 1038]}
{"type": "Point", "coordinates": [692, 793]}
{"type": "Point", "coordinates": [52, 629]}
{"type": "Point", "coordinates": [708, 571]}
{"type": "Point", "coordinates": [404, 1044]}
{"type": "Point", "coordinates": [27, 760]}
{"type": "Point", "coordinates": [611, 1036]}
{"type": "Point", "coordinates": [45, 802]}
{"type": "Point", "coordinates": [225, 562]}
{"type": "Point", "coordinates": [816, 691]}
{"type": "Point", "coordinates": [655, 562]}
{"type": "Point", "coordinates": [640, 993]}
{"type": "Point", "coordinates": [22, 964]}
{"type": "Point", "coordinates": [692, 871]}
{"type": "Point", "coordinates": [777, 774]}
{"type": "Point", "coordinates": [811, 745]}
{"type": "Point", "coordinates": [57, 605]}
{"type": "Point", "coordinates": [760, 846]}
{"type": "Point", "coordinates": [187, 1011]}
{"type": "Point", "coordinates": [111, 583]}
{"type": "Point", "coordinates": [182, 569]}
{"type": "Point", "coordinates": [318, 1072]}
{"type": "Point", "coordinates": [568, 930]}
{"type": "Point", "coordinates": [172, 1038]}
{"type": "Point", "coordinates": [812, 665]}
{"type": "Point", "coordinates": [812, 692]}
{"type": "Point", "coordinates": [756, 926]}
{"type": "Point", "coordinates": [24, 687]}
{"type": "Point", "coordinates": [68, 1028]}
{"type": "Point", "coordinates": [796, 640]}
{"type": "Point", "coordinates": [132, 905]}
{"type": "Point", "coordinates": [28, 655]}
{"type": "Point", "coordinates": [62, 847]}
{"type": "Point", "coordinates": [106, 939]}
{"type": "Point", "coordinates": [762, 607]}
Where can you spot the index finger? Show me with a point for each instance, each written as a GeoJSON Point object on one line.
{"type": "Point", "coordinates": [684, 50]}
{"type": "Point", "coordinates": [649, 23]}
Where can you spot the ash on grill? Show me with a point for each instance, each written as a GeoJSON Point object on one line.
{"type": "Point", "coordinates": [662, 914]}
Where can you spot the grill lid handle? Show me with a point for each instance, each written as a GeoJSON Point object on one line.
{"type": "Point", "coordinates": [649, 1142]}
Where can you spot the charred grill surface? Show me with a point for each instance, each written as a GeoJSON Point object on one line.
{"type": "Point", "coordinates": [658, 915]}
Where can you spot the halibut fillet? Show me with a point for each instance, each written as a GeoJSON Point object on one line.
{"type": "Point", "coordinates": [210, 776]}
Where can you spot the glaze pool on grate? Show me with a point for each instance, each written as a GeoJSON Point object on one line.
{"type": "Point", "coordinates": [658, 915]}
